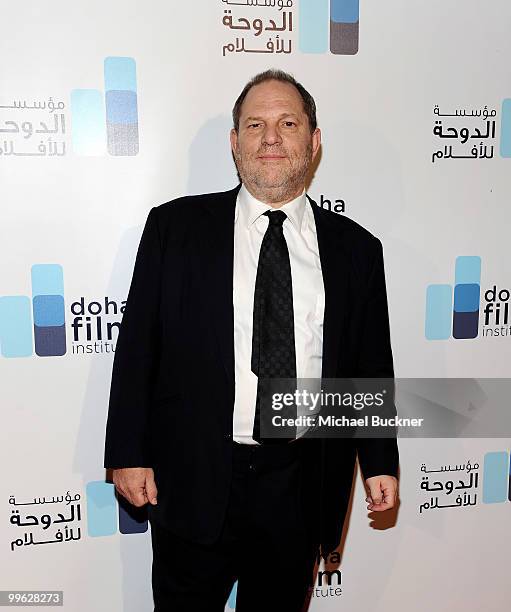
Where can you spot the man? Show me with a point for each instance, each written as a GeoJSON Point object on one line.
{"type": "Point", "coordinates": [229, 287]}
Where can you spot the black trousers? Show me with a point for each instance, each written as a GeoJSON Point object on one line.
{"type": "Point", "coordinates": [268, 543]}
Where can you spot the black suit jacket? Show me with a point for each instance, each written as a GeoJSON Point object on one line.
{"type": "Point", "coordinates": [172, 391]}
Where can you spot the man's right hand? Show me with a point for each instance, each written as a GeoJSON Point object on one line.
{"type": "Point", "coordinates": [136, 485]}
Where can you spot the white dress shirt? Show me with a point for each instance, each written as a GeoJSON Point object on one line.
{"type": "Point", "coordinates": [308, 297]}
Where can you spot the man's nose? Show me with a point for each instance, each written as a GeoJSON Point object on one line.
{"type": "Point", "coordinates": [272, 135]}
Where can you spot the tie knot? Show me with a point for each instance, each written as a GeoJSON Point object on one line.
{"type": "Point", "coordinates": [276, 217]}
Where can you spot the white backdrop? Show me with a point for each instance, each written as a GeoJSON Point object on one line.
{"type": "Point", "coordinates": [115, 155]}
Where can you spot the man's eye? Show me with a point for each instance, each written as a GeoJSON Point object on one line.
{"type": "Point", "coordinates": [254, 125]}
{"type": "Point", "coordinates": [289, 123]}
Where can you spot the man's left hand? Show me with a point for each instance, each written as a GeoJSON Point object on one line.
{"type": "Point", "coordinates": [381, 492]}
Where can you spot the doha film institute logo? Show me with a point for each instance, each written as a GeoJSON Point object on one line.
{"type": "Point", "coordinates": [37, 321]}
{"type": "Point", "coordinates": [458, 128]}
{"type": "Point", "coordinates": [109, 120]}
{"type": "Point", "coordinates": [284, 26]}
{"type": "Point", "coordinates": [461, 315]}
{"type": "Point", "coordinates": [95, 121]}
{"type": "Point", "coordinates": [456, 311]}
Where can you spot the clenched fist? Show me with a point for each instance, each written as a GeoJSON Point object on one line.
{"type": "Point", "coordinates": [136, 485]}
{"type": "Point", "coordinates": [382, 492]}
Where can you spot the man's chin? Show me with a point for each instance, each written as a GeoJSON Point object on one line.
{"type": "Point", "coordinates": [272, 181]}
{"type": "Point", "coordinates": [272, 184]}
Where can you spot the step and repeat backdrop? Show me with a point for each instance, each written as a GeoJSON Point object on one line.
{"type": "Point", "coordinates": [108, 109]}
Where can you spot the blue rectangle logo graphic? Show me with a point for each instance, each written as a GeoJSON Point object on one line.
{"type": "Point", "coordinates": [40, 321]}
{"type": "Point", "coordinates": [329, 25]}
{"type": "Point", "coordinates": [121, 105]}
{"type": "Point", "coordinates": [505, 129]}
{"type": "Point", "coordinates": [101, 509]}
{"type": "Point", "coordinates": [465, 322]}
{"type": "Point", "coordinates": [131, 518]}
{"type": "Point", "coordinates": [48, 310]}
{"type": "Point", "coordinates": [16, 326]}
{"type": "Point", "coordinates": [344, 11]}
{"type": "Point", "coordinates": [459, 316]}
{"type": "Point", "coordinates": [313, 26]}
{"type": "Point", "coordinates": [438, 312]}
{"type": "Point", "coordinates": [466, 298]}
{"type": "Point", "coordinates": [88, 122]}
{"type": "Point", "coordinates": [109, 120]}
{"type": "Point", "coordinates": [467, 270]}
{"type": "Point", "coordinates": [495, 477]}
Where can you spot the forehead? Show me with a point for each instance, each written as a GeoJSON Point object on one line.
{"type": "Point", "coordinates": [272, 96]}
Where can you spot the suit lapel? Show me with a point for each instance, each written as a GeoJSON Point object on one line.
{"type": "Point", "coordinates": [334, 266]}
{"type": "Point", "coordinates": [217, 266]}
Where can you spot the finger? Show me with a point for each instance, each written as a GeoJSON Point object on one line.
{"type": "Point", "coordinates": [375, 493]}
{"type": "Point", "coordinates": [123, 487]}
{"type": "Point", "coordinates": [390, 496]}
{"type": "Point", "coordinates": [139, 497]}
{"type": "Point", "coordinates": [388, 500]}
{"type": "Point", "coordinates": [134, 493]}
{"type": "Point", "coordinates": [151, 490]}
{"type": "Point", "coordinates": [385, 504]}
{"type": "Point", "coordinates": [379, 507]}
{"type": "Point", "coordinates": [121, 491]}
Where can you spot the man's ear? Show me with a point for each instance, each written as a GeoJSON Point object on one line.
{"type": "Point", "coordinates": [316, 142]}
{"type": "Point", "coordinates": [234, 140]}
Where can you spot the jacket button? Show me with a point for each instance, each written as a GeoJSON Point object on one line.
{"type": "Point", "coordinates": [228, 436]}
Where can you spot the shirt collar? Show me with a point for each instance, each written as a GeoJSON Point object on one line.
{"type": "Point", "coordinates": [248, 209]}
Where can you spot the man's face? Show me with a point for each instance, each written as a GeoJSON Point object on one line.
{"type": "Point", "coordinates": [274, 146]}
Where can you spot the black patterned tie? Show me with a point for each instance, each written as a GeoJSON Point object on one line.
{"type": "Point", "coordinates": [273, 336]}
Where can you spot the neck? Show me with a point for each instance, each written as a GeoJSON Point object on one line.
{"type": "Point", "coordinates": [275, 197]}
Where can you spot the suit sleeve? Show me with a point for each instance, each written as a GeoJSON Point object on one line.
{"type": "Point", "coordinates": [377, 456]}
{"type": "Point", "coordinates": [136, 358]}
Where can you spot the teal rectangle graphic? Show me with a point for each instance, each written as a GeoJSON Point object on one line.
{"type": "Point", "coordinates": [495, 477]}
{"type": "Point", "coordinates": [121, 105]}
{"type": "Point", "coordinates": [48, 309]}
{"type": "Point", "coordinates": [505, 129]}
{"type": "Point", "coordinates": [101, 508]}
{"type": "Point", "coordinates": [467, 270]}
{"type": "Point", "coordinates": [344, 11]}
{"type": "Point", "coordinates": [88, 122]}
{"type": "Point", "coordinates": [314, 26]}
{"type": "Point", "coordinates": [47, 279]}
{"type": "Point", "coordinates": [16, 326]}
{"type": "Point", "coordinates": [120, 74]}
{"type": "Point", "coordinates": [438, 312]}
